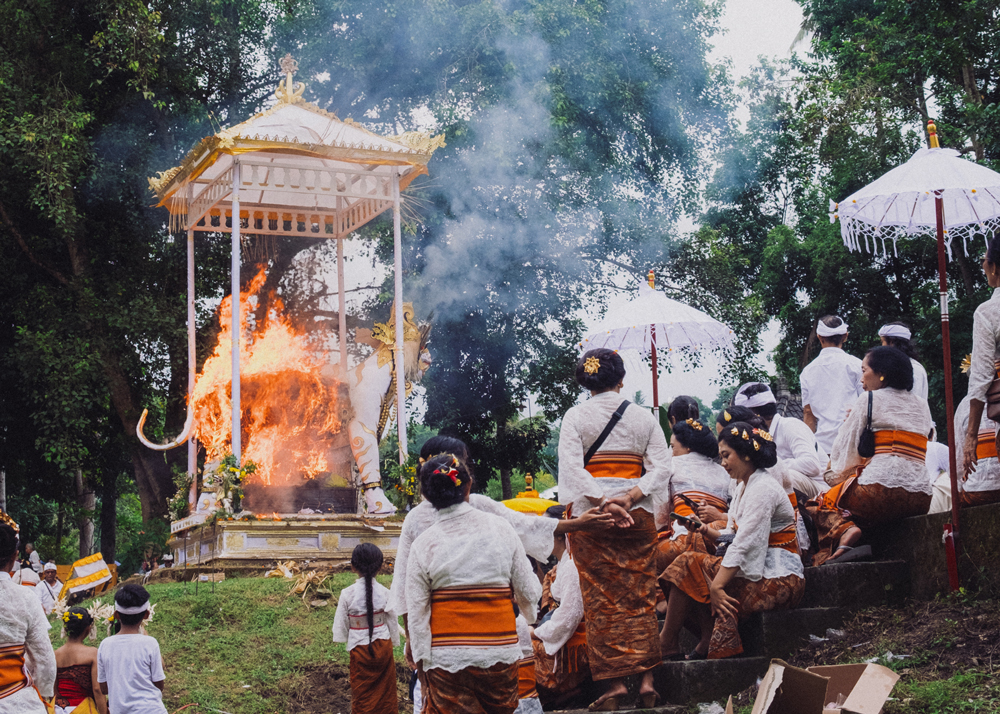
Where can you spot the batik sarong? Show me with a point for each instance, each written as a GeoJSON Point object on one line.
{"type": "Point", "coordinates": [373, 679]}
{"type": "Point", "coordinates": [526, 678]}
{"type": "Point", "coordinates": [618, 583]}
{"type": "Point", "coordinates": [473, 690]}
{"type": "Point", "coordinates": [980, 498]}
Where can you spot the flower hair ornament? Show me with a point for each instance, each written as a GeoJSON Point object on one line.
{"type": "Point", "coordinates": [728, 417]}
{"type": "Point", "coordinates": [696, 425]}
{"type": "Point", "coordinates": [451, 472]}
{"type": "Point", "coordinates": [765, 435]}
{"type": "Point", "coordinates": [592, 365]}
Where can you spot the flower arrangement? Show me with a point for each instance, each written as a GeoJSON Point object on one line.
{"type": "Point", "coordinates": [227, 480]}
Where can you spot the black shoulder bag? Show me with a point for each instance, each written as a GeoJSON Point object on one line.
{"type": "Point", "coordinates": [866, 442]}
{"type": "Point", "coordinates": [615, 418]}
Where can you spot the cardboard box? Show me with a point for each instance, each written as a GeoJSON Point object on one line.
{"type": "Point", "coordinates": [861, 689]}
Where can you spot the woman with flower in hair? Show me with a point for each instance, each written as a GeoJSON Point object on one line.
{"type": "Point", "coordinates": [613, 456]}
{"type": "Point", "coordinates": [460, 576]}
{"type": "Point", "coordinates": [760, 567]}
{"type": "Point", "coordinates": [77, 690]}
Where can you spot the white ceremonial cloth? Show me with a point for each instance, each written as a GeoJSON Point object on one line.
{"type": "Point", "coordinates": [129, 665]}
{"type": "Point", "coordinates": [985, 346]}
{"type": "Point", "coordinates": [689, 472]}
{"type": "Point", "coordinates": [466, 548]}
{"type": "Point", "coordinates": [936, 460]}
{"type": "Point", "coordinates": [986, 477]}
{"type": "Point", "coordinates": [920, 387]}
{"type": "Point", "coordinates": [537, 536]}
{"type": "Point", "coordinates": [48, 595]}
{"type": "Point", "coordinates": [636, 433]}
{"type": "Point", "coordinates": [797, 447]}
{"type": "Point", "coordinates": [759, 508]}
{"type": "Point", "coordinates": [26, 577]}
{"type": "Point", "coordinates": [555, 632]}
{"type": "Point", "coordinates": [353, 603]}
{"type": "Point", "coordinates": [830, 384]}
{"type": "Point", "coordinates": [528, 705]}
{"type": "Point", "coordinates": [23, 622]}
{"type": "Point", "coordinates": [895, 409]}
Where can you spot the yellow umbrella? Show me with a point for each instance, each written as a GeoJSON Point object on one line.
{"type": "Point", "coordinates": [529, 502]}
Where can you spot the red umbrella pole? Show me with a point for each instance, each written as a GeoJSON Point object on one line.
{"type": "Point", "coordinates": [949, 398]}
{"type": "Point", "coordinates": [656, 387]}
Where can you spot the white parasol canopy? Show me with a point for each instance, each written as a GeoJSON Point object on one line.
{"type": "Point", "coordinates": [654, 319]}
{"type": "Point", "coordinates": [901, 202]}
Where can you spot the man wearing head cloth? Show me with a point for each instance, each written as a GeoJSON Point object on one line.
{"type": "Point", "coordinates": [796, 444]}
{"type": "Point", "coordinates": [898, 335]}
{"type": "Point", "coordinates": [830, 383]}
{"type": "Point", "coordinates": [48, 590]}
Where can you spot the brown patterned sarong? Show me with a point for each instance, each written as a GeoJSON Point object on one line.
{"type": "Point", "coordinates": [373, 679]}
{"type": "Point", "coordinates": [618, 583]}
{"type": "Point", "coordinates": [693, 572]}
{"type": "Point", "coordinates": [473, 690]}
{"type": "Point", "coordinates": [548, 603]}
{"type": "Point", "coordinates": [980, 498]}
{"type": "Point", "coordinates": [849, 503]}
{"type": "Point", "coordinates": [567, 669]}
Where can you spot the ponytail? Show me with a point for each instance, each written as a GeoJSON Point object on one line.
{"type": "Point", "coordinates": [370, 607]}
{"type": "Point", "coordinates": [367, 560]}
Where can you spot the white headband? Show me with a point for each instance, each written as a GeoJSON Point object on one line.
{"type": "Point", "coordinates": [823, 331]}
{"type": "Point", "coordinates": [894, 331]}
{"type": "Point", "coordinates": [132, 610]}
{"type": "Point", "coordinates": [754, 400]}
{"type": "Point", "coordinates": [49, 566]}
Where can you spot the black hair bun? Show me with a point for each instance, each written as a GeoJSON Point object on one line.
{"type": "Point", "coordinates": [600, 370]}
{"type": "Point", "coordinates": [444, 480]}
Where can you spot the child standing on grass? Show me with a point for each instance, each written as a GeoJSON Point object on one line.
{"type": "Point", "coordinates": [129, 666]}
{"type": "Point", "coordinates": [370, 631]}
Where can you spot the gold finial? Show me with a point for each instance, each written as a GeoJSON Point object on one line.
{"type": "Point", "coordinates": [652, 280]}
{"type": "Point", "coordinates": [289, 91]}
{"type": "Point", "coordinates": [932, 134]}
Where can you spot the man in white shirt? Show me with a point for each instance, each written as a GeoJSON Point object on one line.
{"type": "Point", "coordinates": [36, 561]}
{"type": "Point", "coordinates": [830, 383]}
{"type": "Point", "coordinates": [48, 590]}
{"type": "Point", "coordinates": [796, 444]}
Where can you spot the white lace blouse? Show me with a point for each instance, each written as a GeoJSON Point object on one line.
{"type": "Point", "coordinates": [689, 472]}
{"type": "Point", "coordinates": [555, 632]}
{"type": "Point", "coordinates": [760, 507]}
{"type": "Point", "coordinates": [466, 548]}
{"type": "Point", "coordinates": [350, 624]}
{"type": "Point", "coordinates": [985, 346]}
{"type": "Point", "coordinates": [536, 534]}
{"type": "Point", "coordinates": [636, 433]}
{"type": "Point", "coordinates": [22, 622]}
{"type": "Point", "coordinates": [895, 409]}
{"type": "Point", "coordinates": [986, 477]}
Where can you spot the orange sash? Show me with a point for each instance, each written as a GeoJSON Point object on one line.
{"type": "Point", "coordinates": [573, 655]}
{"type": "Point", "coordinates": [986, 446]}
{"type": "Point", "coordinates": [786, 539]}
{"type": "Point", "coordinates": [615, 464]}
{"type": "Point", "coordinates": [904, 444]}
{"type": "Point", "coordinates": [682, 509]}
{"type": "Point", "coordinates": [472, 617]}
{"type": "Point", "coordinates": [526, 678]}
{"type": "Point", "coordinates": [12, 676]}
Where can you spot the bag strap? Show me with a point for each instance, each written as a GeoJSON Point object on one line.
{"type": "Point", "coordinates": [615, 418]}
{"type": "Point", "coordinates": [871, 395]}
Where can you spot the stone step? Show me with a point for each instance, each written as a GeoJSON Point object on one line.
{"type": "Point", "coordinates": [660, 709]}
{"type": "Point", "coordinates": [779, 633]}
{"type": "Point", "coordinates": [707, 680]}
{"type": "Point", "coordinates": [857, 585]}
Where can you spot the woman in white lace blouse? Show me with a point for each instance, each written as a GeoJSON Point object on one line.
{"type": "Point", "coordinates": [985, 355]}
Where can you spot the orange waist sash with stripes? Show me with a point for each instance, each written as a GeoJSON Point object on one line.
{"type": "Point", "coordinates": [472, 617]}
{"type": "Point", "coordinates": [615, 464]}
{"type": "Point", "coordinates": [12, 676]}
{"type": "Point", "coordinates": [904, 444]}
{"type": "Point", "coordinates": [526, 678]}
{"type": "Point", "coordinates": [786, 538]}
{"type": "Point", "coordinates": [986, 446]}
{"type": "Point", "coordinates": [579, 636]}
{"type": "Point", "coordinates": [682, 509]}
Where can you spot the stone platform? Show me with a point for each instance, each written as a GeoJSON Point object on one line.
{"type": "Point", "coordinates": [323, 540]}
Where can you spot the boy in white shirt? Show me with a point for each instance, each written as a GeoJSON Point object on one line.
{"type": "Point", "coordinates": [129, 666]}
{"type": "Point", "coordinates": [831, 383]}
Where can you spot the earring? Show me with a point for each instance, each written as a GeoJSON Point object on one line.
{"type": "Point", "coordinates": [881, 379]}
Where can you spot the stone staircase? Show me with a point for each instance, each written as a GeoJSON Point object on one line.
{"type": "Point", "coordinates": [833, 592]}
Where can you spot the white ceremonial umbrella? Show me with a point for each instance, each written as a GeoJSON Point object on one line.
{"type": "Point", "coordinates": [935, 191]}
{"type": "Point", "coordinates": [653, 322]}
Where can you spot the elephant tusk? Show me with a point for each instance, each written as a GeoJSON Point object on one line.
{"type": "Point", "coordinates": [181, 438]}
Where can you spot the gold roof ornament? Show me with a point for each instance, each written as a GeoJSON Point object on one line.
{"type": "Point", "coordinates": [289, 92]}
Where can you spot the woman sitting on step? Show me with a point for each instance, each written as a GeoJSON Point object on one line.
{"type": "Point", "coordinates": [890, 485]}
{"type": "Point", "coordinates": [982, 484]}
{"type": "Point", "coordinates": [760, 568]}
{"type": "Point", "coordinates": [985, 363]}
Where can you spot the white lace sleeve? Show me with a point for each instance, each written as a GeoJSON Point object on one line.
{"type": "Point", "coordinates": [984, 347]}
{"type": "Point", "coordinates": [537, 534]}
{"type": "Point", "coordinates": [845, 448]}
{"type": "Point", "coordinates": [574, 480]}
{"type": "Point", "coordinates": [418, 598]}
{"type": "Point", "coordinates": [556, 631]}
{"type": "Point", "coordinates": [527, 589]}
{"type": "Point", "coordinates": [341, 627]}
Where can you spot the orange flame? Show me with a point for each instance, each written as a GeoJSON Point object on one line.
{"type": "Point", "coordinates": [289, 412]}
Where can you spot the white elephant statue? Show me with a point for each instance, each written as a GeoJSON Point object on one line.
{"type": "Point", "coordinates": [372, 388]}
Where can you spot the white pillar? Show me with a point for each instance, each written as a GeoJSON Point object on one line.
{"type": "Point", "coordinates": [341, 301]}
{"type": "Point", "coordinates": [398, 266]}
{"type": "Point", "coordinates": [235, 269]}
{"type": "Point", "coordinates": [192, 446]}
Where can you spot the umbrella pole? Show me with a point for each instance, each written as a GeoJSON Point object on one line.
{"type": "Point", "coordinates": [656, 387]}
{"type": "Point", "coordinates": [949, 401]}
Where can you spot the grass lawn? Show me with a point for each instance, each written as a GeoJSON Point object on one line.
{"type": "Point", "coordinates": [249, 648]}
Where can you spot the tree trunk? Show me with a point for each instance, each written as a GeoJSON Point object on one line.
{"type": "Point", "coordinates": [3, 490]}
{"type": "Point", "coordinates": [86, 504]}
{"type": "Point", "coordinates": [152, 477]}
{"type": "Point", "coordinates": [505, 484]}
{"type": "Point", "coordinates": [60, 521]}
{"type": "Point", "coordinates": [109, 516]}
